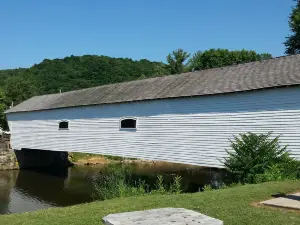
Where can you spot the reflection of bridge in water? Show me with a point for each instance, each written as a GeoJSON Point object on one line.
{"type": "Point", "coordinates": [7, 182]}
{"type": "Point", "coordinates": [29, 190]}
{"type": "Point", "coordinates": [52, 189]}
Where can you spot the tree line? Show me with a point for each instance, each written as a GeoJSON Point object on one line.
{"type": "Point", "coordinates": [77, 72]}
{"type": "Point", "coordinates": [180, 61]}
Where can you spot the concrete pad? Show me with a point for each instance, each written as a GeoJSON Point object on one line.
{"type": "Point", "coordinates": [164, 216]}
{"type": "Point", "coordinates": [291, 201]}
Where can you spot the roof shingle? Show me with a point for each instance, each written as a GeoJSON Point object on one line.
{"type": "Point", "coordinates": [277, 72]}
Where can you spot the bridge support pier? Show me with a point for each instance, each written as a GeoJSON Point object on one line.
{"type": "Point", "coordinates": [34, 158]}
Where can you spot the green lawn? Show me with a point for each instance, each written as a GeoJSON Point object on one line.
{"type": "Point", "coordinates": [230, 205]}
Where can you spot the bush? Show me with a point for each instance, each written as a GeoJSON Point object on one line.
{"type": "Point", "coordinates": [162, 188]}
{"type": "Point", "coordinates": [281, 171]}
{"type": "Point", "coordinates": [115, 182]}
{"type": "Point", "coordinates": [208, 187]}
{"type": "Point", "coordinates": [175, 187]}
{"type": "Point", "coordinates": [110, 183]}
{"type": "Point", "coordinates": [254, 154]}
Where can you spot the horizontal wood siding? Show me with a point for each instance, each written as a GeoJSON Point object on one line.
{"type": "Point", "coordinates": [192, 130]}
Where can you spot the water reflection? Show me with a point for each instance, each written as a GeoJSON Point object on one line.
{"type": "Point", "coordinates": [29, 190]}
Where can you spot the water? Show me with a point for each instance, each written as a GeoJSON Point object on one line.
{"type": "Point", "coordinates": [29, 190]}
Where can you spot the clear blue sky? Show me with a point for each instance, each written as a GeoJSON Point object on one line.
{"type": "Point", "coordinates": [33, 30]}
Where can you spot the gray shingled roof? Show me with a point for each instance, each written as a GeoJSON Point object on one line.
{"type": "Point", "coordinates": [277, 72]}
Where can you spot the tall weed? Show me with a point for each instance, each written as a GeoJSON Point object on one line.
{"type": "Point", "coordinates": [114, 182]}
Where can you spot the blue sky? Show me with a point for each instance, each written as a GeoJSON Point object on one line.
{"type": "Point", "coordinates": [33, 30]}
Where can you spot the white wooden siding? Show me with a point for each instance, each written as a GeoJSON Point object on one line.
{"type": "Point", "coordinates": [192, 130]}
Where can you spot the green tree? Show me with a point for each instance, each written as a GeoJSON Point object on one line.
{"type": "Point", "coordinates": [176, 61]}
{"type": "Point", "coordinates": [292, 43]}
{"type": "Point", "coordinates": [18, 89]}
{"type": "Point", "coordinates": [213, 58]}
{"type": "Point", "coordinates": [3, 107]}
{"type": "Point", "coordinates": [161, 70]}
{"type": "Point", "coordinates": [252, 154]}
{"type": "Point", "coordinates": [74, 72]}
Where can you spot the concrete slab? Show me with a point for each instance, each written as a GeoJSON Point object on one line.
{"type": "Point", "coordinates": [163, 216]}
{"type": "Point", "coordinates": [291, 201]}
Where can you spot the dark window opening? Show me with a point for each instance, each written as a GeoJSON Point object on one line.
{"type": "Point", "coordinates": [64, 125]}
{"type": "Point", "coordinates": [128, 123]}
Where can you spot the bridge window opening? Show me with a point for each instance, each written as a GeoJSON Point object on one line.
{"type": "Point", "coordinates": [64, 125]}
{"type": "Point", "coordinates": [128, 123]}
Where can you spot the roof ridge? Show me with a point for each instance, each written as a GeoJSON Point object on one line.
{"type": "Point", "coordinates": [262, 74]}
{"type": "Point", "coordinates": [170, 75]}
{"type": "Point", "coordinates": [104, 85]}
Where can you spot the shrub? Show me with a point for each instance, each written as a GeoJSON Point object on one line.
{"type": "Point", "coordinates": [175, 187]}
{"type": "Point", "coordinates": [110, 182]}
{"type": "Point", "coordinates": [125, 190]}
{"type": "Point", "coordinates": [254, 154]}
{"type": "Point", "coordinates": [115, 182]}
{"type": "Point", "coordinates": [282, 171]}
{"type": "Point", "coordinates": [160, 186]}
{"type": "Point", "coordinates": [208, 187]}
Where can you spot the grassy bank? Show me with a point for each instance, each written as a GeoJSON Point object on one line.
{"type": "Point", "coordinates": [93, 159]}
{"type": "Point", "coordinates": [231, 205]}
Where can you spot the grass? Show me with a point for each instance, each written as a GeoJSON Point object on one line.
{"type": "Point", "coordinates": [77, 156]}
{"type": "Point", "coordinates": [231, 205]}
{"type": "Point", "coordinates": [115, 181]}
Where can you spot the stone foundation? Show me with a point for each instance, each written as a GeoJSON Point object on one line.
{"type": "Point", "coordinates": [29, 158]}
{"type": "Point", "coordinates": [8, 160]}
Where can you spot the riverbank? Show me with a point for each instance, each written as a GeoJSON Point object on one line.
{"type": "Point", "coordinates": [78, 158]}
{"type": "Point", "coordinates": [232, 205]}
{"type": "Point", "coordinates": [87, 159]}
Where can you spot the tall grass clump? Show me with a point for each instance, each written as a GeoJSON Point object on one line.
{"type": "Point", "coordinates": [162, 188]}
{"type": "Point", "coordinates": [176, 186]}
{"type": "Point", "coordinates": [258, 158]}
{"type": "Point", "coordinates": [115, 181]}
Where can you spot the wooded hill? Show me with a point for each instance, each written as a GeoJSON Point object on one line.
{"type": "Point", "coordinates": [74, 72]}
{"type": "Point", "coordinates": [77, 72]}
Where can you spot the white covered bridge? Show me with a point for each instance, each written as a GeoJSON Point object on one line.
{"type": "Point", "coordinates": [186, 118]}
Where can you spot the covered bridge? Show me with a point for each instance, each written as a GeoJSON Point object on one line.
{"type": "Point", "coordinates": [186, 118]}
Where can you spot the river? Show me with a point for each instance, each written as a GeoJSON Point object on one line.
{"type": "Point", "coordinates": [30, 190]}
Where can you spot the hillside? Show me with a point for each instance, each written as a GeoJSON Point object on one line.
{"type": "Point", "coordinates": [77, 72]}
{"type": "Point", "coordinates": [74, 72]}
